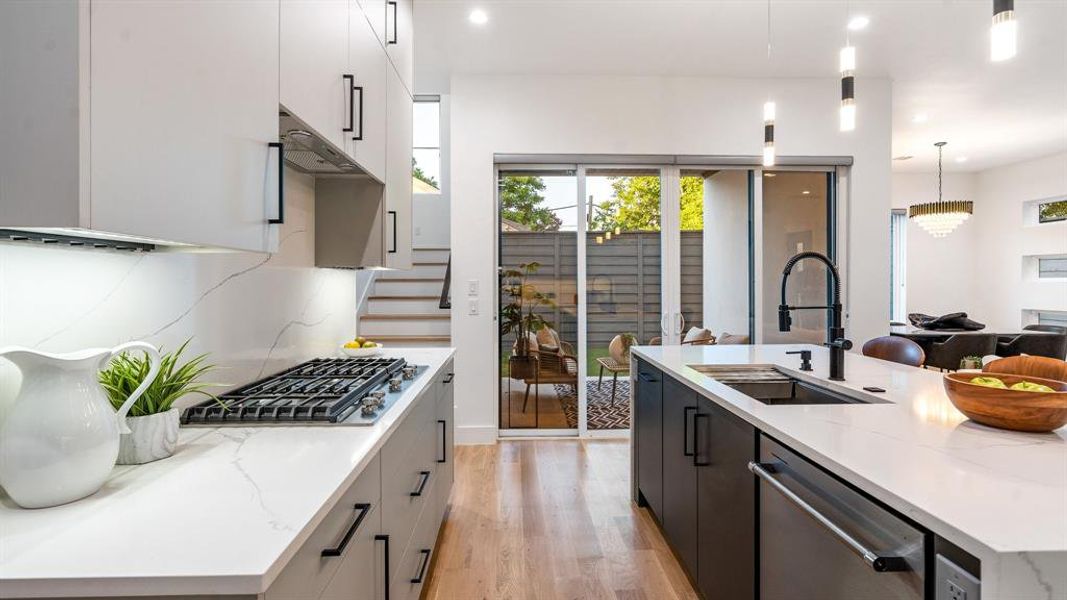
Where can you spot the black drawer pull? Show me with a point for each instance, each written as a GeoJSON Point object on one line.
{"type": "Point", "coordinates": [359, 88]}
{"type": "Point", "coordinates": [363, 509]}
{"type": "Point", "coordinates": [385, 538]}
{"type": "Point", "coordinates": [425, 476]}
{"type": "Point", "coordinates": [645, 377]}
{"type": "Point", "coordinates": [685, 431]}
{"type": "Point", "coordinates": [449, 378]}
{"type": "Point", "coordinates": [351, 80]}
{"type": "Point", "coordinates": [444, 440]}
{"type": "Point", "coordinates": [696, 445]}
{"type": "Point", "coordinates": [281, 184]}
{"type": "Point", "coordinates": [392, 41]}
{"type": "Point", "coordinates": [425, 552]}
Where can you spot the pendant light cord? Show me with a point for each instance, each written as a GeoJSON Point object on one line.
{"type": "Point", "coordinates": [768, 30]}
{"type": "Point", "coordinates": [939, 150]}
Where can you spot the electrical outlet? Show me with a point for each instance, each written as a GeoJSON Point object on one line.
{"type": "Point", "coordinates": [472, 287]}
{"type": "Point", "coordinates": [955, 592]}
{"type": "Point", "coordinates": [472, 306]}
{"type": "Point", "coordinates": [955, 583]}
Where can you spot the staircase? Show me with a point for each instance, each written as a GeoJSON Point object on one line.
{"type": "Point", "coordinates": [403, 309]}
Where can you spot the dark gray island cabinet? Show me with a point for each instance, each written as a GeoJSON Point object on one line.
{"type": "Point", "coordinates": [692, 473]}
{"type": "Point", "coordinates": [748, 517]}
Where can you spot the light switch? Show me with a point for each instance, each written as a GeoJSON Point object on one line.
{"type": "Point", "coordinates": [472, 306]}
{"type": "Point", "coordinates": [472, 287]}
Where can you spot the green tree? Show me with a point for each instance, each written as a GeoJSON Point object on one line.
{"type": "Point", "coordinates": [635, 205]}
{"type": "Point", "coordinates": [418, 173]}
{"type": "Point", "coordinates": [521, 201]}
{"type": "Point", "coordinates": [1053, 211]}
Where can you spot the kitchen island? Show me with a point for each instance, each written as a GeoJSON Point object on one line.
{"type": "Point", "coordinates": [999, 496]}
{"type": "Point", "coordinates": [271, 511]}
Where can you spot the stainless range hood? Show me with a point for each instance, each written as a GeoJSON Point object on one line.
{"type": "Point", "coordinates": [308, 152]}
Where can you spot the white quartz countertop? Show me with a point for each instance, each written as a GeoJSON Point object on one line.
{"type": "Point", "coordinates": [221, 516]}
{"type": "Point", "coordinates": [1000, 495]}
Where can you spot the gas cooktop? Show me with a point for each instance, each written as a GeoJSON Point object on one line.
{"type": "Point", "coordinates": [350, 391]}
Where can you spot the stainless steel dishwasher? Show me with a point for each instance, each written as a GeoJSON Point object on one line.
{"type": "Point", "coordinates": [819, 539]}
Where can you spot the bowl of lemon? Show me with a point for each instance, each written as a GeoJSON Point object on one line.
{"type": "Point", "coordinates": [361, 347]}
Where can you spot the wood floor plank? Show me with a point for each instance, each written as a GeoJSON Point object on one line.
{"type": "Point", "coordinates": [550, 520]}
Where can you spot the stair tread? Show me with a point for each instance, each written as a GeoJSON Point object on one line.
{"type": "Point", "coordinates": [401, 297]}
{"type": "Point", "coordinates": [390, 279]}
{"type": "Point", "coordinates": [405, 316]}
{"type": "Point", "coordinates": [429, 264]}
{"type": "Point", "coordinates": [431, 249]}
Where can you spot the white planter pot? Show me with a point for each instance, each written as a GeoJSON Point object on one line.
{"type": "Point", "coordinates": [151, 438]}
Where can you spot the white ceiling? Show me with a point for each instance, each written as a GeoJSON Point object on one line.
{"type": "Point", "coordinates": [935, 51]}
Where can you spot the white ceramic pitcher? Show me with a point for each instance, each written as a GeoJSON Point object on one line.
{"type": "Point", "coordinates": [61, 437]}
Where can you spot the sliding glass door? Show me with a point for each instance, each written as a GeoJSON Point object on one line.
{"type": "Point", "coordinates": [595, 258]}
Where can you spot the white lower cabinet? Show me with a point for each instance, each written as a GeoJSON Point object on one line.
{"type": "Point", "coordinates": [390, 516]}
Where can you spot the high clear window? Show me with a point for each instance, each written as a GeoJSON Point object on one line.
{"type": "Point", "coordinates": [1052, 268]}
{"type": "Point", "coordinates": [1048, 212]}
{"type": "Point", "coordinates": [898, 238]}
{"type": "Point", "coordinates": [426, 147]}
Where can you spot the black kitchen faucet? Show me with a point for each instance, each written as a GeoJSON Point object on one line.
{"type": "Point", "coordinates": [836, 332]}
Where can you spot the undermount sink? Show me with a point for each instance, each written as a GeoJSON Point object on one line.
{"type": "Point", "coordinates": [770, 386]}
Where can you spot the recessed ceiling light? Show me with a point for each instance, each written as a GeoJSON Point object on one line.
{"type": "Point", "coordinates": [478, 17]}
{"type": "Point", "coordinates": [903, 157]}
{"type": "Point", "coordinates": [806, 192]}
{"type": "Point", "coordinates": [920, 118]}
{"type": "Point", "coordinates": [768, 174]}
{"type": "Point", "coordinates": [858, 22]}
{"type": "Point", "coordinates": [961, 159]}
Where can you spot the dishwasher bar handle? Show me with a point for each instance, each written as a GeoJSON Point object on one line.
{"type": "Point", "coordinates": [881, 564]}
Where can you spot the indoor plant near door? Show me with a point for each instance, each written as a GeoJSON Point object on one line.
{"type": "Point", "coordinates": [153, 420]}
{"type": "Point", "coordinates": [518, 316]}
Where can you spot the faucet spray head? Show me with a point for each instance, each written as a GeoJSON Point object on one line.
{"type": "Point", "coordinates": [784, 320]}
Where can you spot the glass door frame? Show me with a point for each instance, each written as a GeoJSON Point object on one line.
{"type": "Point", "coordinates": [670, 272]}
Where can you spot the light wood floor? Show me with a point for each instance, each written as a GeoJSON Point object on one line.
{"type": "Point", "coordinates": [550, 519]}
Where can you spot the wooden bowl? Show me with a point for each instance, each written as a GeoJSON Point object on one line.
{"type": "Point", "coordinates": [1017, 410]}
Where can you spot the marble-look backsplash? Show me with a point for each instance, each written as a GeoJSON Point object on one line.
{"type": "Point", "coordinates": [255, 313]}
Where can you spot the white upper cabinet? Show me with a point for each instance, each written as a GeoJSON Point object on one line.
{"type": "Point", "coordinates": [398, 175]}
{"type": "Point", "coordinates": [314, 63]}
{"type": "Point", "coordinates": [374, 10]}
{"type": "Point", "coordinates": [367, 64]}
{"type": "Point", "coordinates": [184, 99]}
{"type": "Point", "coordinates": [399, 43]}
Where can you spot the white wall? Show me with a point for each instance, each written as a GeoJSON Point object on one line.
{"type": "Point", "coordinates": [255, 313]}
{"type": "Point", "coordinates": [649, 115]}
{"type": "Point", "coordinates": [979, 268]}
{"type": "Point", "coordinates": [940, 271]}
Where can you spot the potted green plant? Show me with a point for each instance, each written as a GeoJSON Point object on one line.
{"type": "Point", "coordinates": [519, 316]}
{"type": "Point", "coordinates": [152, 419]}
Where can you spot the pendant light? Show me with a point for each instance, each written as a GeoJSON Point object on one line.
{"type": "Point", "coordinates": [769, 107]}
{"type": "Point", "coordinates": [1002, 32]}
{"type": "Point", "coordinates": [940, 218]}
{"type": "Point", "coordinates": [848, 88]}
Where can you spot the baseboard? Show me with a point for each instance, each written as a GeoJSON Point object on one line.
{"type": "Point", "coordinates": [475, 435]}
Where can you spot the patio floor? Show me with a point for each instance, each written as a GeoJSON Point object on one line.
{"type": "Point", "coordinates": [557, 406]}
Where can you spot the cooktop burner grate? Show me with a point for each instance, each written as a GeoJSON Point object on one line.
{"type": "Point", "coordinates": [323, 389]}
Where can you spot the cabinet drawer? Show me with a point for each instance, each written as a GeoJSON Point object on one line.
{"type": "Point", "coordinates": [414, 566]}
{"type": "Point", "coordinates": [360, 575]}
{"type": "Point", "coordinates": [308, 572]}
{"type": "Point", "coordinates": [408, 475]}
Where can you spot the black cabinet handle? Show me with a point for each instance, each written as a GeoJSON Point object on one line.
{"type": "Point", "coordinates": [685, 429]}
{"type": "Point", "coordinates": [363, 509]}
{"type": "Point", "coordinates": [449, 378]}
{"type": "Point", "coordinates": [696, 445]}
{"type": "Point", "coordinates": [444, 440]}
{"type": "Point", "coordinates": [392, 5]}
{"type": "Point", "coordinates": [281, 184]}
{"type": "Point", "coordinates": [645, 377]}
{"type": "Point", "coordinates": [425, 552]}
{"type": "Point", "coordinates": [358, 88]}
{"type": "Point", "coordinates": [425, 477]}
{"type": "Point", "coordinates": [351, 79]}
{"type": "Point", "coordinates": [385, 538]}
{"type": "Point", "coordinates": [393, 214]}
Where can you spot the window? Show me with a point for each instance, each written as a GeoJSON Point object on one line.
{"type": "Point", "coordinates": [1058, 318]}
{"type": "Point", "coordinates": [898, 237]}
{"type": "Point", "coordinates": [1052, 268]}
{"type": "Point", "coordinates": [1047, 212]}
{"type": "Point", "coordinates": [426, 149]}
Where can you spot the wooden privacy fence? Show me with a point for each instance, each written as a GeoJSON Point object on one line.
{"type": "Point", "coordinates": [622, 281]}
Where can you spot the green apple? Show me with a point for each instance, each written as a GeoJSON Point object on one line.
{"type": "Point", "coordinates": [1029, 386]}
{"type": "Point", "coordinates": [989, 382]}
